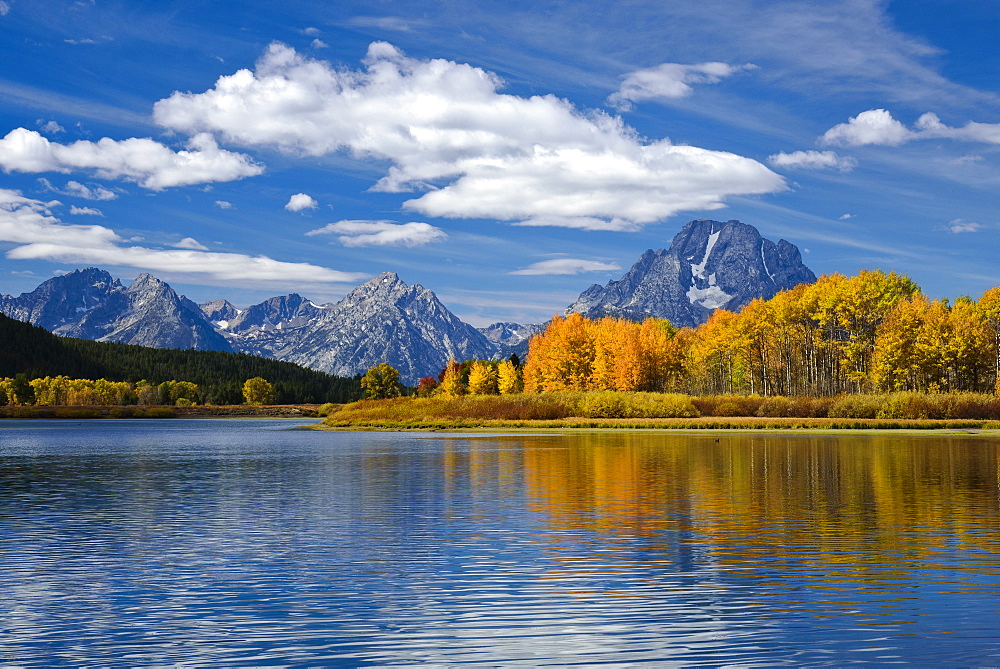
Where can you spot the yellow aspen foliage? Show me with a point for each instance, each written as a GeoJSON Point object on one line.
{"type": "Point", "coordinates": [897, 363]}
{"type": "Point", "coordinates": [508, 378]}
{"type": "Point", "coordinates": [453, 385]}
{"type": "Point", "coordinates": [482, 378]}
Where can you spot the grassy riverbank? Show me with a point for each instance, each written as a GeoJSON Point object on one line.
{"type": "Point", "coordinates": [201, 411]}
{"type": "Point", "coordinates": [612, 410]}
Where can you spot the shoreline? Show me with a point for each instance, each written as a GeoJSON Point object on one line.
{"type": "Point", "coordinates": [101, 412]}
{"type": "Point", "coordinates": [707, 425]}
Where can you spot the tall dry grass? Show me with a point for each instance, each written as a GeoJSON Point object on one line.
{"type": "Point", "coordinates": [614, 405]}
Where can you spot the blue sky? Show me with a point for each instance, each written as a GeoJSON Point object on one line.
{"type": "Point", "coordinates": [504, 154]}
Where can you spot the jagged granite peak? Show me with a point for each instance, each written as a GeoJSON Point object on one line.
{"type": "Point", "coordinates": [148, 313]}
{"type": "Point", "coordinates": [271, 326]}
{"type": "Point", "coordinates": [511, 338]}
{"type": "Point", "coordinates": [219, 312]}
{"type": "Point", "coordinates": [709, 265]}
{"type": "Point", "coordinates": [385, 320]}
{"type": "Point", "coordinates": [63, 299]}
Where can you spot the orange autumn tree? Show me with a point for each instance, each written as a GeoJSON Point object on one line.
{"type": "Point", "coordinates": [576, 353]}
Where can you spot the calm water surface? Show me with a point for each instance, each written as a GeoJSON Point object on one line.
{"type": "Point", "coordinates": [245, 542]}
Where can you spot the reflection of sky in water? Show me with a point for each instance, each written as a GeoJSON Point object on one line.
{"type": "Point", "coordinates": [241, 542]}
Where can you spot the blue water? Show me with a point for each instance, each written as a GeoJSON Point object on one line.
{"type": "Point", "coordinates": [231, 542]}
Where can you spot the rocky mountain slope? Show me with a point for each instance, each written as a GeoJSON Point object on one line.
{"type": "Point", "coordinates": [90, 304]}
{"type": "Point", "coordinates": [382, 320]}
{"type": "Point", "coordinates": [709, 265]}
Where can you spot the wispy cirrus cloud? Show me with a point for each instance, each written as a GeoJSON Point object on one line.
{"type": "Point", "coordinates": [813, 160]}
{"type": "Point", "coordinates": [566, 266]}
{"type": "Point", "coordinates": [39, 235]}
{"type": "Point", "coordinates": [77, 189]}
{"type": "Point", "coordinates": [381, 233]}
{"type": "Point", "coordinates": [449, 131]}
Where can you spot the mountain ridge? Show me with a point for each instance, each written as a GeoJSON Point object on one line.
{"type": "Point", "coordinates": [709, 264]}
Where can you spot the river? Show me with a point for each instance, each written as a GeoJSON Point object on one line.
{"type": "Point", "coordinates": [246, 542]}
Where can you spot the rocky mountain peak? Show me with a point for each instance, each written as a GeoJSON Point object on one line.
{"type": "Point", "coordinates": [710, 265]}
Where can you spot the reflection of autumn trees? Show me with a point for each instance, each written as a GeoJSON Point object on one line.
{"type": "Point", "coordinates": [853, 500]}
{"type": "Point", "coordinates": [870, 332]}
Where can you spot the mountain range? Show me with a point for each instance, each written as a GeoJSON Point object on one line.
{"type": "Point", "coordinates": [709, 265]}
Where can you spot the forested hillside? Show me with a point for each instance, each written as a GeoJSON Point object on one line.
{"type": "Point", "coordinates": [35, 352]}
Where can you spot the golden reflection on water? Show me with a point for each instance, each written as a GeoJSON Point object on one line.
{"type": "Point", "coordinates": [872, 502]}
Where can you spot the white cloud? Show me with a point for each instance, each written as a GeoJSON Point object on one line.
{"type": "Point", "coordinates": [89, 193]}
{"type": "Point", "coordinates": [4, 8]}
{"type": "Point", "coordinates": [190, 243]}
{"type": "Point", "coordinates": [77, 189]}
{"type": "Point", "coordinates": [85, 211]}
{"type": "Point", "coordinates": [51, 127]}
{"type": "Point", "coordinates": [222, 204]}
{"type": "Point", "coordinates": [930, 125]}
{"type": "Point", "coordinates": [875, 126]}
{"type": "Point", "coordinates": [447, 130]}
{"type": "Point", "coordinates": [40, 236]}
{"type": "Point", "coordinates": [669, 81]}
{"type": "Point", "coordinates": [300, 202]}
{"type": "Point", "coordinates": [959, 226]}
{"type": "Point", "coordinates": [845, 217]}
{"type": "Point", "coordinates": [383, 23]}
{"type": "Point", "coordinates": [150, 164]}
{"type": "Point", "coordinates": [310, 31]}
{"type": "Point", "coordinates": [382, 233]}
{"type": "Point", "coordinates": [319, 44]}
{"type": "Point", "coordinates": [813, 160]}
{"type": "Point", "coordinates": [566, 266]}
{"type": "Point", "coordinates": [580, 223]}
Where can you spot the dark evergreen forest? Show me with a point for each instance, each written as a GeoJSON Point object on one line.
{"type": "Point", "coordinates": [36, 352]}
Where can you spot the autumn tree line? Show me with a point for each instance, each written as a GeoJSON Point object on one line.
{"type": "Point", "coordinates": [64, 391]}
{"type": "Point", "coordinates": [875, 332]}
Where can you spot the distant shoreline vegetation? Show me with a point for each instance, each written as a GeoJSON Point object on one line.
{"type": "Point", "coordinates": [608, 409]}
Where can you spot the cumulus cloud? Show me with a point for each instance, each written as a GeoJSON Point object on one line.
{"type": "Point", "coordinates": [566, 266]}
{"type": "Point", "coordinates": [301, 202]}
{"type": "Point", "coordinates": [669, 81]}
{"type": "Point", "coordinates": [381, 233]}
{"type": "Point", "coordinates": [448, 131]}
{"type": "Point", "coordinates": [148, 163]}
{"type": "Point", "coordinates": [39, 235]}
{"type": "Point", "coordinates": [190, 243]}
{"type": "Point", "coordinates": [845, 217]}
{"type": "Point", "coordinates": [877, 126]}
{"type": "Point", "coordinates": [319, 44]}
{"type": "Point", "coordinates": [959, 226]}
{"type": "Point", "coordinates": [85, 211]}
{"type": "Point", "coordinates": [930, 125]}
{"type": "Point", "coordinates": [222, 204]}
{"type": "Point", "coordinates": [813, 160]}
